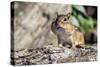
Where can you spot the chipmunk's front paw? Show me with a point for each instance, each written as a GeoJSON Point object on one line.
{"type": "Point", "coordinates": [60, 45]}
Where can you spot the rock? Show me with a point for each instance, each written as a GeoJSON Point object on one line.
{"type": "Point", "coordinates": [51, 54]}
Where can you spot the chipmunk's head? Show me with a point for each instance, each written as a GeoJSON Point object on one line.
{"type": "Point", "coordinates": [62, 20]}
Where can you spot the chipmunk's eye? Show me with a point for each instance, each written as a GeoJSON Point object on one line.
{"type": "Point", "coordinates": [65, 19]}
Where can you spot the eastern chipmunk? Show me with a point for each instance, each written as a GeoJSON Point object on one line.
{"type": "Point", "coordinates": [67, 33]}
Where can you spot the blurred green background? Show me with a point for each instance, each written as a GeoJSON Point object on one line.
{"type": "Point", "coordinates": [85, 17]}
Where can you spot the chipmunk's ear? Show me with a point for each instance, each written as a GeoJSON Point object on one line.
{"type": "Point", "coordinates": [68, 15]}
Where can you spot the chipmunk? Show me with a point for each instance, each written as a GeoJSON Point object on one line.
{"type": "Point", "coordinates": [67, 33]}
